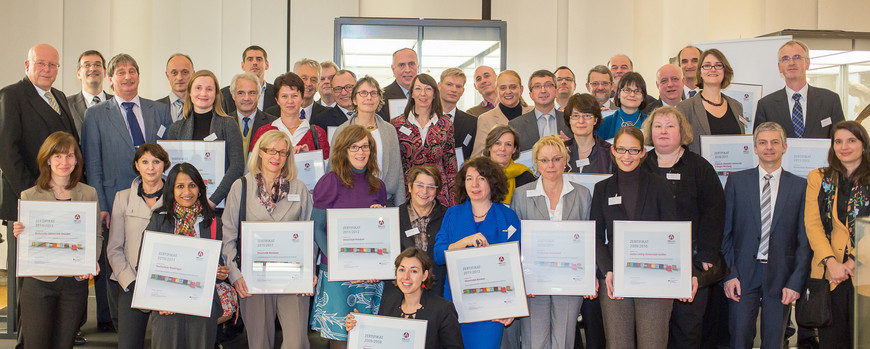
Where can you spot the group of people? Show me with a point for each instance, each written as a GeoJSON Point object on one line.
{"type": "Point", "coordinates": [754, 243]}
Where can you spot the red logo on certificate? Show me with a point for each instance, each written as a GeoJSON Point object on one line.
{"type": "Point", "coordinates": [207, 155]}
{"type": "Point", "coordinates": [671, 237]}
{"type": "Point", "coordinates": [295, 236]}
{"type": "Point", "coordinates": [199, 254]}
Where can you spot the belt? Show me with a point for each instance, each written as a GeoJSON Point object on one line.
{"type": "Point", "coordinates": [762, 261]}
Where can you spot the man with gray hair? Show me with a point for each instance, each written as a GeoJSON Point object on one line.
{"type": "Point", "coordinates": [179, 69]}
{"type": "Point", "coordinates": [342, 86]}
{"type": "Point", "coordinates": [324, 88]}
{"type": "Point", "coordinates": [669, 80]}
{"type": "Point", "coordinates": [405, 67]}
{"type": "Point", "coordinates": [309, 71]}
{"type": "Point", "coordinates": [246, 92]}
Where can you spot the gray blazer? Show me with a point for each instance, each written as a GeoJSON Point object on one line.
{"type": "Point", "coordinates": [125, 233]}
{"type": "Point", "coordinates": [527, 126]}
{"type": "Point", "coordinates": [108, 148]}
{"type": "Point", "coordinates": [81, 192]}
{"type": "Point", "coordinates": [575, 205]}
{"type": "Point", "coordinates": [77, 107]}
{"type": "Point", "coordinates": [286, 211]}
{"type": "Point", "coordinates": [226, 129]}
{"type": "Point", "coordinates": [391, 170]}
{"type": "Point", "coordinates": [693, 109]}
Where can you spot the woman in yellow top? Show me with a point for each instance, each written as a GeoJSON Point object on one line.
{"type": "Point", "coordinates": [502, 146]}
{"type": "Point", "coordinates": [836, 196]}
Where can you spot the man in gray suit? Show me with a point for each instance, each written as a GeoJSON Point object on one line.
{"type": "Point", "coordinates": [803, 111]}
{"type": "Point", "coordinates": [246, 92]}
{"type": "Point", "coordinates": [179, 68]}
{"type": "Point", "coordinates": [91, 71]}
{"type": "Point", "coordinates": [545, 119]}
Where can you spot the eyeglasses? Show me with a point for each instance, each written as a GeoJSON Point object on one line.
{"type": "Point", "coordinates": [629, 91]}
{"type": "Point", "coordinates": [338, 89]}
{"type": "Point", "coordinates": [356, 148]}
{"type": "Point", "coordinates": [281, 153]}
{"type": "Point", "coordinates": [585, 116]}
{"type": "Point", "coordinates": [718, 66]}
{"type": "Point", "coordinates": [786, 59]}
{"type": "Point", "coordinates": [599, 83]}
{"type": "Point", "coordinates": [425, 186]}
{"type": "Point", "coordinates": [565, 79]}
{"type": "Point", "coordinates": [43, 65]}
{"type": "Point", "coordinates": [365, 94]}
{"type": "Point", "coordinates": [632, 151]}
{"type": "Point", "coordinates": [547, 86]}
{"type": "Point", "coordinates": [91, 65]}
{"type": "Point", "coordinates": [554, 160]}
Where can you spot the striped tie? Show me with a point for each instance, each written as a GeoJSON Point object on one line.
{"type": "Point", "coordinates": [766, 218]}
{"type": "Point", "coordinates": [52, 102]}
{"type": "Point", "coordinates": [797, 116]}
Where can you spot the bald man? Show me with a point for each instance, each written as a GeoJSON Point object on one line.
{"type": "Point", "coordinates": [669, 80]}
{"type": "Point", "coordinates": [619, 65]}
{"type": "Point", "coordinates": [484, 83]}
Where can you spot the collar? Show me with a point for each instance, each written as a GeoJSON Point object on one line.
{"type": "Point", "coordinates": [89, 97]}
{"type": "Point", "coordinates": [803, 91]}
{"type": "Point", "coordinates": [686, 90]}
{"type": "Point", "coordinates": [347, 113]}
{"type": "Point", "coordinates": [538, 190]}
{"type": "Point", "coordinates": [538, 113]}
{"type": "Point", "coordinates": [413, 120]}
{"type": "Point", "coordinates": [40, 91]}
{"type": "Point", "coordinates": [404, 90]}
{"type": "Point", "coordinates": [665, 104]}
{"type": "Point", "coordinates": [308, 111]}
{"type": "Point", "coordinates": [242, 116]}
{"type": "Point", "coordinates": [452, 114]}
{"type": "Point", "coordinates": [776, 174]}
{"type": "Point", "coordinates": [135, 100]}
{"type": "Point", "coordinates": [173, 97]}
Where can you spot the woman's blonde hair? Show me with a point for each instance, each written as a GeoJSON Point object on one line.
{"type": "Point", "coordinates": [218, 109]}
{"type": "Point", "coordinates": [269, 137]}
{"type": "Point", "coordinates": [552, 141]}
{"type": "Point", "coordinates": [686, 133]}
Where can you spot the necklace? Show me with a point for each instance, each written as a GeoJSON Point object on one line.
{"type": "Point", "coordinates": [629, 123]}
{"type": "Point", "coordinates": [587, 149]}
{"type": "Point", "coordinates": [484, 214]}
{"type": "Point", "coordinates": [722, 101]}
{"type": "Point", "coordinates": [153, 195]}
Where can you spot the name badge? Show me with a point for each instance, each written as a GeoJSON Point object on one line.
{"type": "Point", "coordinates": [161, 131]}
{"type": "Point", "coordinates": [673, 176]}
{"type": "Point", "coordinates": [582, 162]}
{"type": "Point", "coordinates": [210, 138]}
{"type": "Point", "coordinates": [293, 198]}
{"type": "Point", "coordinates": [405, 130]}
{"type": "Point", "coordinates": [467, 140]}
{"type": "Point", "coordinates": [411, 232]}
{"type": "Point", "coordinates": [616, 200]}
{"type": "Point", "coordinates": [511, 230]}
{"type": "Point", "coordinates": [826, 122]}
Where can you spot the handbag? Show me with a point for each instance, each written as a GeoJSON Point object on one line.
{"type": "Point", "coordinates": [813, 308]}
{"type": "Point", "coordinates": [229, 298]}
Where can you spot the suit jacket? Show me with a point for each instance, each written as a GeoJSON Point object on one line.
{"type": "Point", "coordinates": [789, 254]}
{"type": "Point", "coordinates": [332, 117]}
{"type": "Point", "coordinates": [108, 147]}
{"type": "Point", "coordinates": [226, 129]}
{"type": "Point", "coordinates": [260, 119]}
{"type": "Point", "coordinates": [81, 192]}
{"type": "Point", "coordinates": [527, 126]}
{"type": "Point", "coordinates": [26, 120]}
{"type": "Point", "coordinates": [392, 91]}
{"type": "Point", "coordinates": [229, 104]}
{"type": "Point", "coordinates": [823, 106]}
{"type": "Point", "coordinates": [391, 169]}
{"type": "Point", "coordinates": [464, 127]}
{"type": "Point", "coordinates": [652, 106]}
{"type": "Point", "coordinates": [442, 321]}
{"type": "Point", "coordinates": [316, 109]}
{"type": "Point", "coordinates": [164, 100]}
{"type": "Point", "coordinates": [477, 110]}
{"type": "Point", "coordinates": [125, 234]}
{"type": "Point", "coordinates": [485, 123]}
{"type": "Point", "coordinates": [693, 109]}
{"type": "Point", "coordinates": [78, 105]}
{"type": "Point", "coordinates": [530, 203]}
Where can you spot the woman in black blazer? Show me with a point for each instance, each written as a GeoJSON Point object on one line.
{"type": "Point", "coordinates": [413, 276]}
{"type": "Point", "coordinates": [642, 196]}
{"type": "Point", "coordinates": [186, 212]}
{"type": "Point", "coordinates": [424, 185]}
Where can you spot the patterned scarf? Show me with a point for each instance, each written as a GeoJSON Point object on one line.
{"type": "Point", "coordinates": [186, 218]}
{"type": "Point", "coordinates": [859, 197]}
{"type": "Point", "coordinates": [269, 197]}
{"type": "Point", "coordinates": [421, 239]}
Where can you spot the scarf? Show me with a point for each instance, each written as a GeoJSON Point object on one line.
{"type": "Point", "coordinates": [270, 197]}
{"type": "Point", "coordinates": [857, 206]}
{"type": "Point", "coordinates": [512, 172]}
{"type": "Point", "coordinates": [186, 218]}
{"type": "Point", "coordinates": [421, 239]}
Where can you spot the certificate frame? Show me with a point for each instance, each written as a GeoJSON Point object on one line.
{"type": "Point", "coordinates": [636, 275]}
{"type": "Point", "coordinates": [387, 332]}
{"type": "Point", "coordinates": [558, 257]}
{"type": "Point", "coordinates": [361, 257]}
{"type": "Point", "coordinates": [208, 157]}
{"type": "Point", "coordinates": [724, 164]}
{"type": "Point", "coordinates": [748, 95]}
{"type": "Point", "coordinates": [499, 296]}
{"type": "Point", "coordinates": [587, 180]}
{"type": "Point", "coordinates": [310, 167]}
{"type": "Point", "coordinates": [284, 279]}
{"type": "Point", "coordinates": [805, 155]}
{"type": "Point", "coordinates": [46, 248]}
{"type": "Point", "coordinates": [162, 285]}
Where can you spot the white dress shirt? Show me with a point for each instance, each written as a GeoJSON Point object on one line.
{"type": "Point", "coordinates": [555, 214]}
{"type": "Point", "coordinates": [137, 110]}
{"type": "Point", "coordinates": [424, 129]}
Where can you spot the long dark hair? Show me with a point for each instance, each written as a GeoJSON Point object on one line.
{"type": "Point", "coordinates": [169, 191]}
{"type": "Point", "coordinates": [861, 176]}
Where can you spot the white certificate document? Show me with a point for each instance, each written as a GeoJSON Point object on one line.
{"type": "Point", "coordinates": [176, 273]}
{"type": "Point", "coordinates": [460, 157]}
{"type": "Point", "coordinates": [386, 332]}
{"type": "Point", "coordinates": [487, 282]}
{"type": "Point", "coordinates": [587, 180]}
{"type": "Point", "coordinates": [805, 154]}
{"type": "Point", "coordinates": [652, 259]}
{"type": "Point", "coordinates": [363, 243]}
{"type": "Point", "coordinates": [558, 257]}
{"type": "Point", "coordinates": [278, 257]}
{"type": "Point", "coordinates": [728, 154]}
{"type": "Point", "coordinates": [748, 95]}
{"type": "Point", "coordinates": [59, 238]}
{"type": "Point", "coordinates": [207, 157]}
{"type": "Point", "coordinates": [309, 167]}
{"type": "Point", "coordinates": [397, 106]}
{"type": "Point", "coordinates": [525, 158]}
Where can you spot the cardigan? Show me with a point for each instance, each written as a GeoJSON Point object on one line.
{"type": "Point", "coordinates": [693, 109]}
{"type": "Point", "coordinates": [130, 217]}
{"type": "Point", "coordinates": [391, 168]}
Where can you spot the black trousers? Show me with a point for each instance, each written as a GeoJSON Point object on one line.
{"type": "Point", "coordinates": [132, 322]}
{"type": "Point", "coordinates": [687, 321]}
{"type": "Point", "coordinates": [593, 324]}
{"type": "Point", "coordinates": [51, 311]}
{"type": "Point", "coordinates": [840, 333]}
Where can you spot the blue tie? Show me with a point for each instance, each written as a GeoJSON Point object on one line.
{"type": "Point", "coordinates": [246, 120]}
{"type": "Point", "coordinates": [302, 114]}
{"type": "Point", "coordinates": [692, 93]}
{"type": "Point", "coordinates": [135, 131]}
{"type": "Point", "coordinates": [797, 116]}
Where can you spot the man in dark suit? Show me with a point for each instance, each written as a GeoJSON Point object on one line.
{"type": "Point", "coordinates": [544, 120]}
{"type": "Point", "coordinates": [803, 111]}
{"type": "Point", "coordinates": [669, 80]}
{"type": "Point", "coordinates": [565, 86]}
{"type": "Point", "coordinates": [688, 59]}
{"type": "Point", "coordinates": [179, 68]}
{"type": "Point", "coordinates": [405, 67]}
{"type": "Point", "coordinates": [324, 87]}
{"type": "Point", "coordinates": [451, 88]}
{"type": "Point", "coordinates": [91, 71]}
{"type": "Point", "coordinates": [764, 242]}
{"type": "Point", "coordinates": [246, 92]}
{"type": "Point", "coordinates": [342, 91]}
{"type": "Point", "coordinates": [309, 71]}
{"type": "Point", "coordinates": [484, 83]}
{"type": "Point", "coordinates": [255, 60]}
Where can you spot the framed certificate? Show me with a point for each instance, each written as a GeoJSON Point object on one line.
{"type": "Point", "coordinates": [805, 154]}
{"type": "Point", "coordinates": [176, 273]}
{"type": "Point", "coordinates": [397, 107]}
{"type": "Point", "coordinates": [363, 243]}
{"type": "Point", "coordinates": [59, 238]}
{"type": "Point", "coordinates": [558, 257]}
{"type": "Point", "coordinates": [728, 154]}
{"type": "Point", "coordinates": [587, 180]}
{"type": "Point", "coordinates": [207, 156]}
{"type": "Point", "coordinates": [309, 167]}
{"type": "Point", "coordinates": [652, 259]}
{"type": "Point", "coordinates": [487, 282]}
{"type": "Point", "coordinates": [748, 95]}
{"type": "Point", "coordinates": [278, 257]}
{"type": "Point", "coordinates": [386, 332]}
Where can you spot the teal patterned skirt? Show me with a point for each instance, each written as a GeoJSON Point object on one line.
{"type": "Point", "coordinates": [334, 300]}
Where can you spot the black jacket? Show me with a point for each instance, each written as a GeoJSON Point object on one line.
{"type": "Point", "coordinates": [432, 229]}
{"type": "Point", "coordinates": [442, 328]}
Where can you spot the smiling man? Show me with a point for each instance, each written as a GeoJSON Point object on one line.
{"type": "Point", "coordinates": [246, 93]}
{"type": "Point", "coordinates": [669, 80]}
{"type": "Point", "coordinates": [179, 68]}
{"type": "Point", "coordinates": [565, 86]}
{"type": "Point", "coordinates": [484, 83]}
{"type": "Point", "coordinates": [342, 86]}
{"type": "Point", "coordinates": [688, 59]}
{"type": "Point", "coordinates": [255, 60]}
{"type": "Point", "coordinates": [544, 120]}
{"type": "Point", "coordinates": [598, 82]}
{"type": "Point", "coordinates": [91, 71]}
{"type": "Point", "coordinates": [405, 67]}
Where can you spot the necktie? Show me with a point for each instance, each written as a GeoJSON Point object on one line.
{"type": "Point", "coordinates": [52, 102]}
{"type": "Point", "coordinates": [766, 218]}
{"type": "Point", "coordinates": [95, 101]}
{"type": "Point", "coordinates": [302, 114]}
{"type": "Point", "coordinates": [547, 130]}
{"type": "Point", "coordinates": [135, 130]}
{"type": "Point", "coordinates": [692, 93]}
{"type": "Point", "coordinates": [179, 107]}
{"type": "Point", "coordinates": [246, 121]}
{"type": "Point", "coordinates": [797, 116]}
